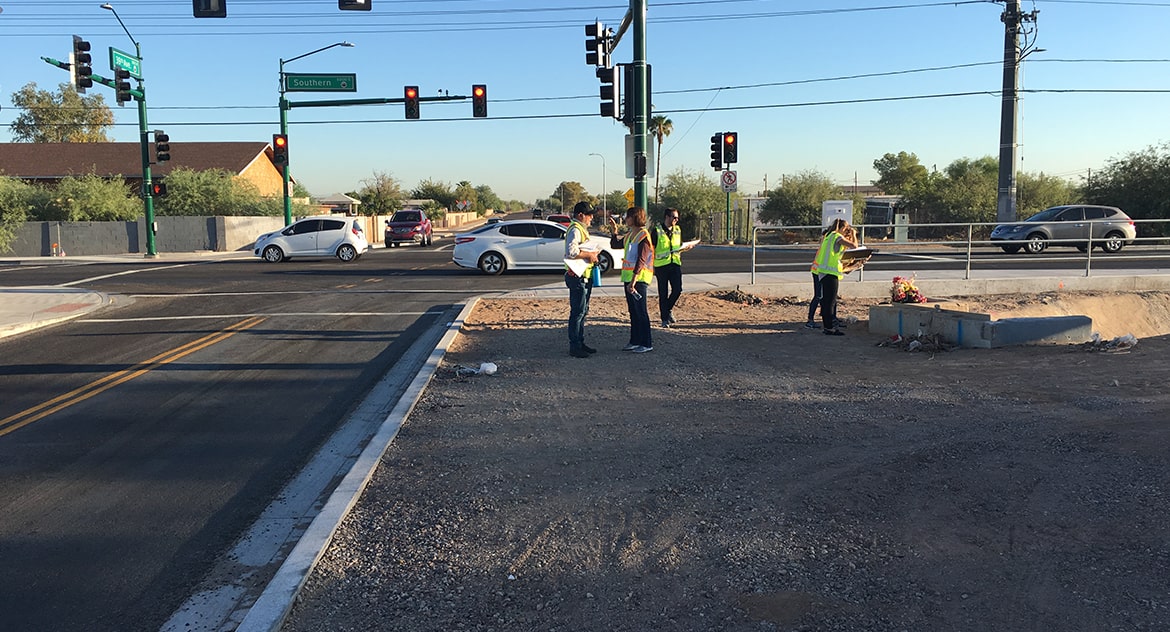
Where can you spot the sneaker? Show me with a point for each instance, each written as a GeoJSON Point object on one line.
{"type": "Point", "coordinates": [588, 349]}
{"type": "Point", "coordinates": [811, 325]}
{"type": "Point", "coordinates": [840, 324]}
{"type": "Point", "coordinates": [642, 349]}
{"type": "Point", "coordinates": [834, 332]}
{"type": "Point", "coordinates": [579, 353]}
{"type": "Point", "coordinates": [665, 324]}
{"type": "Point", "coordinates": [630, 347]}
{"type": "Point", "coordinates": [670, 319]}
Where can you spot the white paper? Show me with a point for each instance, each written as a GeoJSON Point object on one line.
{"type": "Point", "coordinates": [687, 245]}
{"type": "Point", "coordinates": [577, 266]}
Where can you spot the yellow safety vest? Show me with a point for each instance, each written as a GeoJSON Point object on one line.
{"type": "Point", "coordinates": [828, 260]}
{"type": "Point", "coordinates": [630, 257]}
{"type": "Point", "coordinates": [583, 232]}
{"type": "Point", "coordinates": [668, 249]}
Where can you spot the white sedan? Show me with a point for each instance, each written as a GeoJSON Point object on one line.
{"type": "Point", "coordinates": [320, 236]}
{"type": "Point", "coordinates": [523, 245]}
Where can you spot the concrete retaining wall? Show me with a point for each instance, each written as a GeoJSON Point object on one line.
{"type": "Point", "coordinates": [175, 234]}
{"type": "Point", "coordinates": [972, 329]}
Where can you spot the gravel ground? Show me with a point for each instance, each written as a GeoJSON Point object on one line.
{"type": "Point", "coordinates": [750, 474]}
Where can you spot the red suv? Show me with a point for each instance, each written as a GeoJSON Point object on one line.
{"type": "Point", "coordinates": [409, 227]}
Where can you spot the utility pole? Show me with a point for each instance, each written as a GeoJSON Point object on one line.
{"type": "Point", "coordinates": [1013, 20]}
{"type": "Point", "coordinates": [641, 103]}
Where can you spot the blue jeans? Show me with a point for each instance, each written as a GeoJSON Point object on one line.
{"type": "Point", "coordinates": [818, 294]}
{"type": "Point", "coordinates": [580, 289]}
{"type": "Point", "coordinates": [639, 317]}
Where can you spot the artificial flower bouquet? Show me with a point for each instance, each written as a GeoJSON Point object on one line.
{"type": "Point", "coordinates": [904, 291]}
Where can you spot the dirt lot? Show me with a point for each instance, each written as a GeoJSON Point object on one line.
{"type": "Point", "coordinates": [749, 474]}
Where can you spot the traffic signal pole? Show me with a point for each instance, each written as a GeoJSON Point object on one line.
{"type": "Point", "coordinates": [641, 105]}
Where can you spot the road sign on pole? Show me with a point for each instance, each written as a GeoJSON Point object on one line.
{"type": "Point", "coordinates": [728, 180]}
{"type": "Point", "coordinates": [300, 82]}
{"type": "Point", "coordinates": [120, 60]}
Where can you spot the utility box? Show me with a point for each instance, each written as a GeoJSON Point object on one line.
{"type": "Point", "coordinates": [834, 209]}
{"type": "Point", "coordinates": [901, 228]}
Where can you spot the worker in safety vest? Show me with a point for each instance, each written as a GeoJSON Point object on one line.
{"type": "Point", "coordinates": [828, 268]}
{"type": "Point", "coordinates": [637, 270]}
{"type": "Point", "coordinates": [580, 283]}
{"type": "Point", "coordinates": [668, 249]}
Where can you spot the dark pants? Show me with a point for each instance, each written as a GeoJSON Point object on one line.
{"type": "Point", "coordinates": [639, 316]}
{"type": "Point", "coordinates": [829, 285]}
{"type": "Point", "coordinates": [669, 288]}
{"type": "Point", "coordinates": [818, 294]}
{"type": "Point", "coordinates": [579, 290]}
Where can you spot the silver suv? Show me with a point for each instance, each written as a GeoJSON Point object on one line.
{"type": "Point", "coordinates": [1068, 226]}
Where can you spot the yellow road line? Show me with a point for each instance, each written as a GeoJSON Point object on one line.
{"type": "Point", "coordinates": [80, 394]}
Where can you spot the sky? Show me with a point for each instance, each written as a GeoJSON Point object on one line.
{"type": "Point", "coordinates": [827, 86]}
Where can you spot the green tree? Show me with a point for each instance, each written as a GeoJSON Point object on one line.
{"type": "Point", "coordinates": [464, 192]}
{"type": "Point", "coordinates": [797, 201]}
{"type": "Point", "coordinates": [487, 199]}
{"type": "Point", "coordinates": [566, 195]}
{"type": "Point", "coordinates": [440, 192]}
{"type": "Point", "coordinates": [898, 173]}
{"type": "Point", "coordinates": [16, 198]}
{"type": "Point", "coordinates": [1036, 192]}
{"type": "Point", "coordinates": [62, 117]}
{"type": "Point", "coordinates": [695, 194]}
{"type": "Point", "coordinates": [1138, 183]}
{"type": "Point", "coordinates": [381, 194]}
{"type": "Point", "coordinates": [87, 198]}
{"type": "Point", "coordinates": [661, 127]}
{"type": "Point", "coordinates": [216, 192]}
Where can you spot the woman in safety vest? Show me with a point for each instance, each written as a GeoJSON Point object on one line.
{"type": "Point", "coordinates": [637, 270]}
{"type": "Point", "coordinates": [827, 267]}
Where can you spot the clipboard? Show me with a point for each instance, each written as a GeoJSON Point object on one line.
{"type": "Point", "coordinates": [854, 254]}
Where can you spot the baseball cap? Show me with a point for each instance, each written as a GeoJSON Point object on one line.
{"type": "Point", "coordinates": [583, 208]}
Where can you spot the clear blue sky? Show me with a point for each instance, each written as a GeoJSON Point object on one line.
{"type": "Point", "coordinates": [776, 71]}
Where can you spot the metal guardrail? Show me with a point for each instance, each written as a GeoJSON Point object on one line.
{"type": "Point", "coordinates": [975, 240]}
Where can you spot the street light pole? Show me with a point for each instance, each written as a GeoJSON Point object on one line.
{"type": "Point", "coordinates": [144, 144]}
{"type": "Point", "coordinates": [283, 103]}
{"type": "Point", "coordinates": [604, 214]}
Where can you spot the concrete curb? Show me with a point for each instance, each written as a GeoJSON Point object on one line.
{"type": "Point", "coordinates": [29, 308]}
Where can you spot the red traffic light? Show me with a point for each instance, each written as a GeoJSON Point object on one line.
{"type": "Point", "coordinates": [280, 149]}
{"type": "Point", "coordinates": [410, 101]}
{"type": "Point", "coordinates": [479, 100]}
{"type": "Point", "coordinates": [730, 147]}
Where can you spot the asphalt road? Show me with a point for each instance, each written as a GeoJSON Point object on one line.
{"type": "Point", "coordinates": [137, 446]}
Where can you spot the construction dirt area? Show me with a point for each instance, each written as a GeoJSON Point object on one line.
{"type": "Point", "coordinates": [750, 474]}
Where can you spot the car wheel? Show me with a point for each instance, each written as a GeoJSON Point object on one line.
{"type": "Point", "coordinates": [273, 254]}
{"type": "Point", "coordinates": [1114, 242]}
{"type": "Point", "coordinates": [1035, 244]}
{"type": "Point", "coordinates": [605, 261]}
{"type": "Point", "coordinates": [347, 253]}
{"type": "Point", "coordinates": [492, 263]}
{"type": "Point", "coordinates": [1082, 248]}
{"type": "Point", "coordinates": [1011, 250]}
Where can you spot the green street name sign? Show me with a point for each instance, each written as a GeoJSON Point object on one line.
{"type": "Point", "coordinates": [299, 82]}
{"type": "Point", "coordinates": [125, 61]}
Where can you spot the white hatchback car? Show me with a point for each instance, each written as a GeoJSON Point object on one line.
{"type": "Point", "coordinates": [522, 245]}
{"type": "Point", "coordinates": [320, 236]}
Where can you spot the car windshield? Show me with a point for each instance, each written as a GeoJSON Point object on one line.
{"type": "Point", "coordinates": [407, 216]}
{"type": "Point", "coordinates": [1047, 214]}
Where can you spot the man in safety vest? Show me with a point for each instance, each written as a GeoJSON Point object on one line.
{"type": "Point", "coordinates": [667, 239]}
{"type": "Point", "coordinates": [828, 268]}
{"type": "Point", "coordinates": [580, 285]}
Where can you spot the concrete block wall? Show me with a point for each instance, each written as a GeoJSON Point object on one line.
{"type": "Point", "coordinates": [975, 330]}
{"type": "Point", "coordinates": [175, 234]}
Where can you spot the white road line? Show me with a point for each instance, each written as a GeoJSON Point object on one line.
{"type": "Point", "coordinates": [117, 274]}
{"type": "Point", "coordinates": [272, 315]}
{"type": "Point", "coordinates": [293, 292]}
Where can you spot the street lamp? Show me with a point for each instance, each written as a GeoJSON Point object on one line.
{"type": "Point", "coordinates": [284, 123]}
{"type": "Point", "coordinates": [143, 142]}
{"type": "Point", "coordinates": [604, 214]}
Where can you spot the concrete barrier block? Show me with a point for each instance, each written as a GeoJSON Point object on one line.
{"type": "Point", "coordinates": [976, 330]}
{"type": "Point", "coordinates": [1039, 330]}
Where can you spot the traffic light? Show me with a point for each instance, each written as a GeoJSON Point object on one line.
{"type": "Point", "coordinates": [410, 100]}
{"type": "Point", "coordinates": [162, 146]}
{"type": "Point", "coordinates": [597, 45]}
{"type": "Point", "coordinates": [280, 149]}
{"type": "Point", "coordinates": [611, 91]}
{"type": "Point", "coordinates": [479, 100]}
{"type": "Point", "coordinates": [79, 65]}
{"type": "Point", "coordinates": [209, 8]}
{"type": "Point", "coordinates": [717, 152]}
{"type": "Point", "coordinates": [354, 5]}
{"type": "Point", "coordinates": [122, 86]}
{"type": "Point", "coordinates": [158, 188]}
{"type": "Point", "coordinates": [730, 147]}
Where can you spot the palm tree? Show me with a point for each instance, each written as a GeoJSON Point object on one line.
{"type": "Point", "coordinates": [661, 127]}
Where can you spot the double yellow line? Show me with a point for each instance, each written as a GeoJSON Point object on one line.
{"type": "Point", "coordinates": [78, 395]}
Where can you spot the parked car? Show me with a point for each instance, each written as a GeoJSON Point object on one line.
{"type": "Point", "coordinates": [409, 227]}
{"type": "Point", "coordinates": [522, 245]}
{"type": "Point", "coordinates": [1111, 229]}
{"type": "Point", "coordinates": [314, 237]}
{"type": "Point", "coordinates": [563, 220]}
